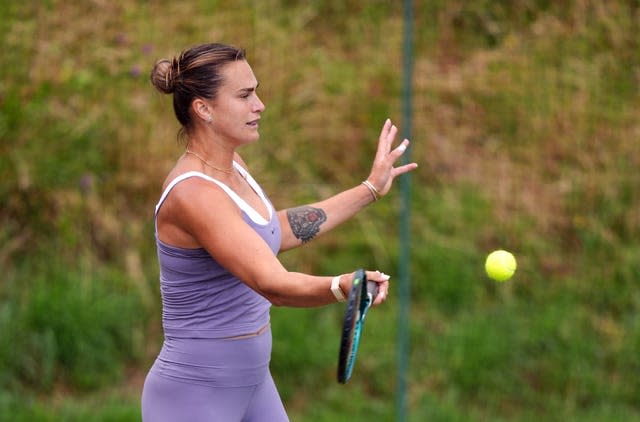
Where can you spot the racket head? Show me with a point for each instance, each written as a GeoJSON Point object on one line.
{"type": "Point", "coordinates": [359, 300]}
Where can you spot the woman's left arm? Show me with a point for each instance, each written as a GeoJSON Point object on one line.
{"type": "Point", "coordinates": [304, 223]}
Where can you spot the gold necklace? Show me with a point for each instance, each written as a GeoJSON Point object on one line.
{"type": "Point", "coordinates": [228, 171]}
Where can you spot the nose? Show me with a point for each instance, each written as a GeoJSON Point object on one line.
{"type": "Point", "coordinates": [258, 106]}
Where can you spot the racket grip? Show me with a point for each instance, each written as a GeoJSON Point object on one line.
{"type": "Point", "coordinates": [372, 288]}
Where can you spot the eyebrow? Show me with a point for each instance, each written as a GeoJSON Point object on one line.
{"type": "Point", "coordinates": [249, 90]}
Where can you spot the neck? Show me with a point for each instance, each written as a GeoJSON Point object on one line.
{"type": "Point", "coordinates": [220, 168]}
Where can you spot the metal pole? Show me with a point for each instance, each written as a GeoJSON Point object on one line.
{"type": "Point", "coordinates": [405, 187]}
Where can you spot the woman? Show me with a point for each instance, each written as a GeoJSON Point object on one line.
{"type": "Point", "coordinates": [218, 236]}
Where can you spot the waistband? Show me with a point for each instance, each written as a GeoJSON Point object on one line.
{"type": "Point", "coordinates": [236, 330]}
{"type": "Point", "coordinates": [230, 362]}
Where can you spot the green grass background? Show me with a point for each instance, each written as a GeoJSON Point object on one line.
{"type": "Point", "coordinates": [526, 129]}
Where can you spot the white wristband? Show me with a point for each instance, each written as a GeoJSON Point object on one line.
{"type": "Point", "coordinates": [336, 290]}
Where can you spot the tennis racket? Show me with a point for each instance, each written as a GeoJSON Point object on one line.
{"type": "Point", "coordinates": [360, 298]}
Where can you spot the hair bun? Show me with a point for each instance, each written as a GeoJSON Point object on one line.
{"type": "Point", "coordinates": [163, 75]}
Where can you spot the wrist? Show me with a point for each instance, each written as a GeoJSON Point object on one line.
{"type": "Point", "coordinates": [372, 189]}
{"type": "Point", "coordinates": [337, 290]}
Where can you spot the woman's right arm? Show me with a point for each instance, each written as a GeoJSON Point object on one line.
{"type": "Point", "coordinates": [221, 230]}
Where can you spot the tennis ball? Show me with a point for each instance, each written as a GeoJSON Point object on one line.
{"type": "Point", "coordinates": [500, 265]}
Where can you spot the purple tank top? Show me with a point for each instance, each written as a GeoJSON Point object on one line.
{"type": "Point", "coordinates": [200, 298]}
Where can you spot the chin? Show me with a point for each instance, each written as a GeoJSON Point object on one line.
{"type": "Point", "coordinates": [251, 139]}
{"type": "Point", "coordinates": [255, 135]}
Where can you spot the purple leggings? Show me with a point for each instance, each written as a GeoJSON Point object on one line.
{"type": "Point", "coordinates": [198, 380]}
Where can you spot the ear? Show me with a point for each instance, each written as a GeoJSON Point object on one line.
{"type": "Point", "coordinates": [201, 109]}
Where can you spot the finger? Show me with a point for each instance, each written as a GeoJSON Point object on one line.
{"type": "Point", "coordinates": [377, 276]}
{"type": "Point", "coordinates": [400, 149]}
{"type": "Point", "coordinates": [383, 285]}
{"type": "Point", "coordinates": [383, 293]}
{"type": "Point", "coordinates": [385, 130]}
{"type": "Point", "coordinates": [387, 135]}
{"type": "Point", "coordinates": [391, 136]}
{"type": "Point", "coordinates": [406, 168]}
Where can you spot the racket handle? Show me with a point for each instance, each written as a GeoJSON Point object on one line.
{"type": "Point", "coordinates": [372, 288]}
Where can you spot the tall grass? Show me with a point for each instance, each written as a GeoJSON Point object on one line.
{"type": "Point", "coordinates": [526, 129]}
{"type": "Point", "coordinates": [69, 327]}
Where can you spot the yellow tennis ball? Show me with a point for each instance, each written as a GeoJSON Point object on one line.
{"type": "Point", "coordinates": [500, 265]}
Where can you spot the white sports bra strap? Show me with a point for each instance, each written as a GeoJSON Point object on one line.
{"type": "Point", "coordinates": [253, 214]}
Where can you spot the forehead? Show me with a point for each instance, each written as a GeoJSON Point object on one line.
{"type": "Point", "coordinates": [238, 75]}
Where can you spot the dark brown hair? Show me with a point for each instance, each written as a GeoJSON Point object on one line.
{"type": "Point", "coordinates": [195, 73]}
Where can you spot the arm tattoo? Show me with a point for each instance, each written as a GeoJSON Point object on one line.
{"type": "Point", "coordinates": [305, 222]}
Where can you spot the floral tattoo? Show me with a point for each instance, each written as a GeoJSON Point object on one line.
{"type": "Point", "coordinates": [305, 222]}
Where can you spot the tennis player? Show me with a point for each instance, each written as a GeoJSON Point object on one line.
{"type": "Point", "coordinates": [218, 236]}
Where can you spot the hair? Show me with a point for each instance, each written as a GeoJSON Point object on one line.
{"type": "Point", "coordinates": [195, 73]}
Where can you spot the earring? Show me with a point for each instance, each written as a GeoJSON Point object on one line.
{"type": "Point", "coordinates": [210, 119]}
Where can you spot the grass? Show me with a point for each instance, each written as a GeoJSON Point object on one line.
{"type": "Point", "coordinates": [78, 329]}
{"type": "Point", "coordinates": [105, 408]}
{"type": "Point", "coordinates": [525, 128]}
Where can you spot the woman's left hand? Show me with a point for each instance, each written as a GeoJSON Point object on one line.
{"type": "Point", "coordinates": [383, 171]}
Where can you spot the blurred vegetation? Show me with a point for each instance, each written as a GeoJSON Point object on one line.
{"type": "Point", "coordinates": [526, 127]}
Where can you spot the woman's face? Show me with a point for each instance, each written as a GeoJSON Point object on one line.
{"type": "Point", "coordinates": [237, 108]}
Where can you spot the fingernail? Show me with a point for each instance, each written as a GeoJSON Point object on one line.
{"type": "Point", "coordinates": [385, 277]}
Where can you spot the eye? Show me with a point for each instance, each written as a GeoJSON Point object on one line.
{"type": "Point", "coordinates": [246, 93]}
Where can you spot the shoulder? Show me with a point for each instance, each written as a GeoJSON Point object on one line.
{"type": "Point", "coordinates": [192, 186]}
{"type": "Point", "coordinates": [192, 192]}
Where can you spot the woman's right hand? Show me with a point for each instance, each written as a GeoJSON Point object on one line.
{"type": "Point", "coordinates": [376, 276]}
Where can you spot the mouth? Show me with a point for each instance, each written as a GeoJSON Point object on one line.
{"type": "Point", "coordinates": [253, 123]}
